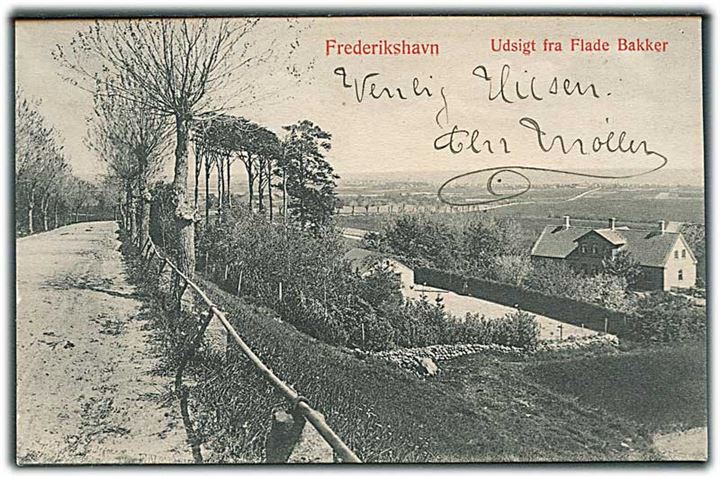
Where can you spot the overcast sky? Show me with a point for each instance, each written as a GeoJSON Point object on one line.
{"type": "Point", "coordinates": [652, 95]}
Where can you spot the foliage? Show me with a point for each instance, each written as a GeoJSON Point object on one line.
{"type": "Point", "coordinates": [511, 269]}
{"type": "Point", "coordinates": [176, 68]}
{"type": "Point", "coordinates": [560, 280]}
{"type": "Point", "coordinates": [492, 249]}
{"type": "Point", "coordinates": [163, 228]}
{"type": "Point", "coordinates": [624, 266]}
{"type": "Point", "coordinates": [564, 309]}
{"type": "Point", "coordinates": [303, 276]}
{"type": "Point", "coordinates": [666, 317]}
{"type": "Point", "coordinates": [306, 176]}
{"type": "Point", "coordinates": [130, 141]}
{"type": "Point", "coordinates": [421, 240]}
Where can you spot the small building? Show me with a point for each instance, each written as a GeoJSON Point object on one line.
{"type": "Point", "coordinates": [664, 256]}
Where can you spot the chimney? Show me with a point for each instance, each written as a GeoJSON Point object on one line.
{"type": "Point", "coordinates": [566, 219]}
{"type": "Point", "coordinates": [611, 223]}
{"type": "Point", "coordinates": [661, 225]}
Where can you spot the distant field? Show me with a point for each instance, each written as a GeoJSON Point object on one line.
{"type": "Point", "coordinates": [625, 210]}
{"type": "Point", "coordinates": [630, 206]}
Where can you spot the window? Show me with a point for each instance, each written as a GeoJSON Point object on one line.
{"type": "Point", "coordinates": [677, 255]}
{"type": "Point", "coordinates": [594, 249]}
{"type": "Point", "coordinates": [583, 249]}
{"type": "Point", "coordinates": [680, 274]}
{"type": "Point", "coordinates": [684, 253]}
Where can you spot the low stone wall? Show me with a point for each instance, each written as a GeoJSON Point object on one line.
{"type": "Point", "coordinates": [590, 341]}
{"type": "Point", "coordinates": [416, 359]}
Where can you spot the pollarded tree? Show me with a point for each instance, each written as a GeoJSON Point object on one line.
{"type": "Point", "coordinates": [39, 159]}
{"type": "Point", "coordinates": [131, 140]}
{"type": "Point", "coordinates": [307, 177]}
{"type": "Point", "coordinates": [178, 68]}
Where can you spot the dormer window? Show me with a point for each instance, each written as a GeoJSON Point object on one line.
{"type": "Point", "coordinates": [684, 253]}
{"type": "Point", "coordinates": [677, 254]}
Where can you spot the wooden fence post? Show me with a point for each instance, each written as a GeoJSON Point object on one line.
{"type": "Point", "coordinates": [293, 440]}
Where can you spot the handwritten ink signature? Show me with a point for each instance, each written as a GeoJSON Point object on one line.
{"type": "Point", "coordinates": [611, 143]}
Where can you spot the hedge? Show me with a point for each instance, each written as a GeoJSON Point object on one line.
{"type": "Point", "coordinates": [560, 308]}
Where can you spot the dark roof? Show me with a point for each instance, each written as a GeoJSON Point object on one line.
{"type": "Point", "coordinates": [649, 248]}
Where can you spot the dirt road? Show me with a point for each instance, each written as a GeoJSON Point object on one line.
{"type": "Point", "coordinates": [86, 387]}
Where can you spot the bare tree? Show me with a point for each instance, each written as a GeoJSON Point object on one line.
{"type": "Point", "coordinates": [131, 140]}
{"type": "Point", "coordinates": [178, 68]}
{"type": "Point", "coordinates": [39, 160]}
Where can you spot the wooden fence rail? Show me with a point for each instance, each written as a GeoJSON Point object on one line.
{"type": "Point", "coordinates": [299, 403]}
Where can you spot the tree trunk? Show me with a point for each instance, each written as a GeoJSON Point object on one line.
{"type": "Point", "coordinates": [144, 206]}
{"type": "Point", "coordinates": [251, 181]}
{"type": "Point", "coordinates": [284, 201]}
{"type": "Point", "coordinates": [207, 191]}
{"type": "Point", "coordinates": [56, 215]}
{"type": "Point", "coordinates": [31, 207]}
{"type": "Point", "coordinates": [220, 183]}
{"type": "Point", "coordinates": [269, 175]}
{"type": "Point", "coordinates": [260, 188]}
{"type": "Point", "coordinates": [198, 168]}
{"type": "Point", "coordinates": [43, 212]}
{"type": "Point", "coordinates": [129, 212]}
{"type": "Point", "coordinates": [184, 213]}
{"type": "Point", "coordinates": [229, 193]}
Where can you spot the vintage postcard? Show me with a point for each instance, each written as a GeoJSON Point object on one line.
{"type": "Point", "coordinates": [376, 239]}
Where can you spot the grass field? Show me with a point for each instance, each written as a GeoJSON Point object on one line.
{"type": "Point", "coordinates": [640, 208]}
{"type": "Point", "coordinates": [652, 390]}
{"type": "Point", "coordinates": [662, 388]}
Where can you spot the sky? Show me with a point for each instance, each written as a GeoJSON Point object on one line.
{"type": "Point", "coordinates": [653, 96]}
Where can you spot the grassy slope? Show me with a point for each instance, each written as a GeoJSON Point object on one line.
{"type": "Point", "coordinates": [386, 414]}
{"type": "Point", "coordinates": [661, 388]}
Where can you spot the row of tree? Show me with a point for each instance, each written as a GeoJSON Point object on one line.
{"type": "Point", "coordinates": [47, 194]}
{"type": "Point", "coordinates": [294, 165]}
{"type": "Point", "coordinates": [165, 83]}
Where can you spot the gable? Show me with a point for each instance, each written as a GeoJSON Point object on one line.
{"type": "Point", "coordinates": [680, 244]}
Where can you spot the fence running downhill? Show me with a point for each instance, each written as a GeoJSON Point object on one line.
{"type": "Point", "coordinates": [299, 403]}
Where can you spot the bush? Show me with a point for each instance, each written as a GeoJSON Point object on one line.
{"type": "Point", "coordinates": [516, 329]}
{"type": "Point", "coordinates": [560, 280]}
{"type": "Point", "coordinates": [664, 317]}
{"type": "Point", "coordinates": [353, 305]}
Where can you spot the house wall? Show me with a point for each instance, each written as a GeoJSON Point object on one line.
{"type": "Point", "coordinates": [652, 278]}
{"type": "Point", "coordinates": [407, 275]}
{"type": "Point", "coordinates": [674, 265]}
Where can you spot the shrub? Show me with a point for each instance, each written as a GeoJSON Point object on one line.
{"type": "Point", "coordinates": [516, 329]}
{"type": "Point", "coordinates": [664, 317]}
{"type": "Point", "coordinates": [353, 305]}
{"type": "Point", "coordinates": [512, 269]}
